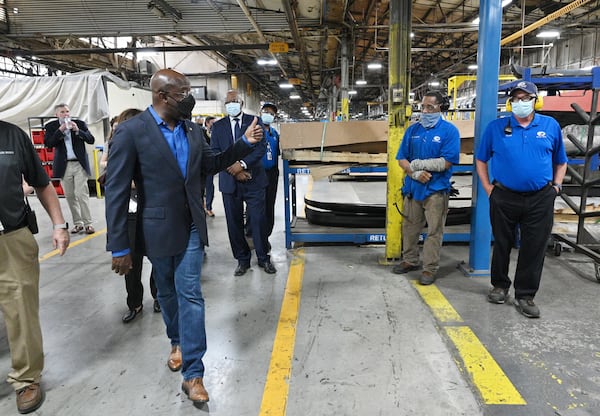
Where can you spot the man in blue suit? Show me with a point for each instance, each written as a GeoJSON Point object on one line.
{"type": "Point", "coordinates": [166, 156]}
{"type": "Point", "coordinates": [245, 181]}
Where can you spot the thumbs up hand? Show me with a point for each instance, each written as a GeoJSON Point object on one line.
{"type": "Point", "coordinates": [254, 132]}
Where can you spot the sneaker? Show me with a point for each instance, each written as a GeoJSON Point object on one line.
{"type": "Point", "coordinates": [426, 278]}
{"type": "Point", "coordinates": [497, 295]}
{"type": "Point", "coordinates": [405, 267]}
{"type": "Point", "coordinates": [527, 308]}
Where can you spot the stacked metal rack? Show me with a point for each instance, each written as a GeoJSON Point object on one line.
{"type": "Point", "coordinates": [587, 240]}
{"type": "Point", "coordinates": [298, 229]}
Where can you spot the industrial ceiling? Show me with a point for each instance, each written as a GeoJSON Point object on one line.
{"type": "Point", "coordinates": [444, 40]}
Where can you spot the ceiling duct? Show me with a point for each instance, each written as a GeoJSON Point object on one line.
{"type": "Point", "coordinates": [163, 9]}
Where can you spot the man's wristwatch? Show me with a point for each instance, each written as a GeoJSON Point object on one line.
{"type": "Point", "coordinates": [244, 166]}
{"type": "Point", "coordinates": [64, 226]}
{"type": "Point", "coordinates": [558, 186]}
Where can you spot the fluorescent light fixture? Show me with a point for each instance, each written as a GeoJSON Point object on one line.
{"type": "Point", "coordinates": [548, 34]}
{"type": "Point", "coordinates": [263, 62]}
{"type": "Point", "coordinates": [361, 82]}
{"type": "Point", "coordinates": [434, 84]}
{"type": "Point", "coordinates": [375, 65]}
{"type": "Point", "coordinates": [294, 97]}
{"type": "Point", "coordinates": [352, 92]}
{"type": "Point", "coordinates": [412, 35]}
{"type": "Point", "coordinates": [472, 67]}
{"type": "Point", "coordinates": [286, 85]}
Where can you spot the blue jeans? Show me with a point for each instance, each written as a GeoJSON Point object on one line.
{"type": "Point", "coordinates": [180, 297]}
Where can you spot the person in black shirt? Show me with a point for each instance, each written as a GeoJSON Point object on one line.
{"type": "Point", "coordinates": [20, 267]}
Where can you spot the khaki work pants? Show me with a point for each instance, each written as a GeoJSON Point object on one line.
{"type": "Point", "coordinates": [433, 211]}
{"type": "Point", "coordinates": [19, 302]}
{"type": "Point", "coordinates": [77, 193]}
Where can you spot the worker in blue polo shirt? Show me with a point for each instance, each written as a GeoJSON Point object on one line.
{"type": "Point", "coordinates": [427, 152]}
{"type": "Point", "coordinates": [268, 112]}
{"type": "Point", "coordinates": [528, 164]}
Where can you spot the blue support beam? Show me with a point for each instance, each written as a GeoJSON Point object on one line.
{"type": "Point", "coordinates": [488, 64]}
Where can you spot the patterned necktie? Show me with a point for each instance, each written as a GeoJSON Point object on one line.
{"type": "Point", "coordinates": [237, 129]}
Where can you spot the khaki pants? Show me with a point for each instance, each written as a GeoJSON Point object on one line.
{"type": "Point", "coordinates": [19, 302]}
{"type": "Point", "coordinates": [433, 211]}
{"type": "Point", "coordinates": [77, 193]}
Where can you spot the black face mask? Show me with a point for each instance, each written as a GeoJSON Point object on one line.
{"type": "Point", "coordinates": [185, 107]}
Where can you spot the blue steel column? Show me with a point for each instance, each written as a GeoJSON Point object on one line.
{"type": "Point", "coordinates": [488, 64]}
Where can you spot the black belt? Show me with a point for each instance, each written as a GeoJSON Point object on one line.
{"type": "Point", "coordinates": [72, 160]}
{"type": "Point", "coordinates": [529, 193]}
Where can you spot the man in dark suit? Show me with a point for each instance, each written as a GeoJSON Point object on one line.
{"type": "Point", "coordinates": [166, 156]}
{"type": "Point", "coordinates": [71, 164]}
{"type": "Point", "coordinates": [244, 181]}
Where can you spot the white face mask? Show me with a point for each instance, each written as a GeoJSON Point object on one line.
{"type": "Point", "coordinates": [522, 109]}
{"type": "Point", "coordinates": [267, 118]}
{"type": "Point", "coordinates": [233, 109]}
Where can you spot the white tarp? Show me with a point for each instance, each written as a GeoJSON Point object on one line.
{"type": "Point", "coordinates": [84, 92]}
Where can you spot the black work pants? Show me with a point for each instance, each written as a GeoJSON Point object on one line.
{"type": "Point", "coordinates": [271, 197]}
{"type": "Point", "coordinates": [533, 213]}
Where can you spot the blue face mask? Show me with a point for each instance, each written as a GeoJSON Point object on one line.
{"type": "Point", "coordinates": [233, 109]}
{"type": "Point", "coordinates": [267, 118]}
{"type": "Point", "coordinates": [522, 109]}
{"type": "Point", "coordinates": [429, 120]}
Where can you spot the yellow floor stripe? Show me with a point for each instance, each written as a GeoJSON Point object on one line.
{"type": "Point", "coordinates": [437, 302]}
{"type": "Point", "coordinates": [487, 376]}
{"type": "Point", "coordinates": [493, 385]}
{"type": "Point", "coordinates": [74, 244]}
{"type": "Point", "coordinates": [277, 385]}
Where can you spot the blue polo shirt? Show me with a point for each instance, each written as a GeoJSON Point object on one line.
{"type": "Point", "coordinates": [442, 140]}
{"type": "Point", "coordinates": [522, 158]}
{"type": "Point", "coordinates": [272, 140]}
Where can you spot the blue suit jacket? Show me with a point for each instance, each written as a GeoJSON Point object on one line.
{"type": "Point", "coordinates": [168, 203]}
{"type": "Point", "coordinates": [221, 138]}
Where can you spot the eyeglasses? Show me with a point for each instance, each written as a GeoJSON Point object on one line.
{"type": "Point", "coordinates": [233, 101]}
{"type": "Point", "coordinates": [524, 99]}
{"type": "Point", "coordinates": [430, 107]}
{"type": "Point", "coordinates": [179, 95]}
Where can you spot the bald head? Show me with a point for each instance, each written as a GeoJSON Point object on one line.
{"type": "Point", "coordinates": [167, 80]}
{"type": "Point", "coordinates": [169, 88]}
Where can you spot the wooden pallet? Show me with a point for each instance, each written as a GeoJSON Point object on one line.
{"type": "Point", "coordinates": [329, 156]}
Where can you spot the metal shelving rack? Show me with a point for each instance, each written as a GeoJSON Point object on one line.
{"type": "Point", "coordinates": [298, 229]}
{"type": "Point", "coordinates": [36, 133]}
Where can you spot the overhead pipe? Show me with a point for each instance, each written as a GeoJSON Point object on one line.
{"type": "Point", "coordinates": [552, 16]}
{"type": "Point", "coordinates": [258, 30]}
{"type": "Point", "coordinates": [293, 23]}
{"type": "Point", "coordinates": [104, 51]}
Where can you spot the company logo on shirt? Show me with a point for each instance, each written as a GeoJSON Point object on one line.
{"type": "Point", "coordinates": [436, 139]}
{"type": "Point", "coordinates": [541, 134]}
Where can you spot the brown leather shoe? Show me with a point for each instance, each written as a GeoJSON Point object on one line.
{"type": "Point", "coordinates": [174, 361]}
{"type": "Point", "coordinates": [195, 390]}
{"type": "Point", "coordinates": [30, 398]}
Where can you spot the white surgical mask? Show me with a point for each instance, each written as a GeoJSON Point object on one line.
{"type": "Point", "coordinates": [267, 118]}
{"type": "Point", "coordinates": [428, 120]}
{"type": "Point", "coordinates": [233, 109]}
{"type": "Point", "coordinates": [522, 109]}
